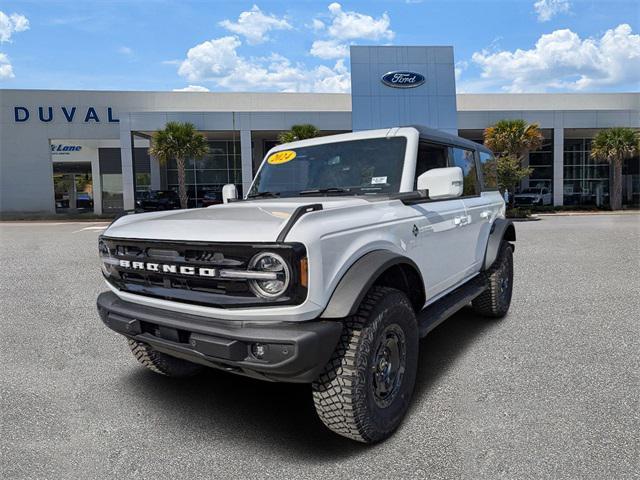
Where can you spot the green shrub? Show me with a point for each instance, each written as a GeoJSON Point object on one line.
{"type": "Point", "coordinates": [518, 212]}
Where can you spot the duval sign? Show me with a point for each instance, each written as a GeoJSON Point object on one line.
{"type": "Point", "coordinates": [66, 113]}
{"type": "Point", "coordinates": [402, 79]}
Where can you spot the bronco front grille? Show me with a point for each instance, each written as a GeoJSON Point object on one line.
{"type": "Point", "coordinates": [190, 271]}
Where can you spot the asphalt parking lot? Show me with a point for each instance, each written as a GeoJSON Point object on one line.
{"type": "Point", "coordinates": [551, 391]}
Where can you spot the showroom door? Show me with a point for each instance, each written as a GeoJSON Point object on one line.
{"type": "Point", "coordinates": [73, 187]}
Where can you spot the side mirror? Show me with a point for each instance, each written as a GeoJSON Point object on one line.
{"type": "Point", "coordinates": [442, 182]}
{"type": "Point", "coordinates": [229, 192]}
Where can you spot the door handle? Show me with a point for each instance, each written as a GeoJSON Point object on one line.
{"type": "Point", "coordinates": [485, 214]}
{"type": "Point", "coordinates": [462, 220]}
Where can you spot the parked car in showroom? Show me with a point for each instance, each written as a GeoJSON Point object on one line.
{"type": "Point", "coordinates": [84, 200]}
{"type": "Point", "coordinates": [156, 200]}
{"type": "Point", "coordinates": [211, 197]}
{"type": "Point", "coordinates": [537, 196]}
{"type": "Point", "coordinates": [346, 250]}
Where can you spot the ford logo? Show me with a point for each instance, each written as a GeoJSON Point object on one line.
{"type": "Point", "coordinates": [402, 79]}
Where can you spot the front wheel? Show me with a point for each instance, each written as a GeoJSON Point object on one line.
{"type": "Point", "coordinates": [495, 300]}
{"type": "Point", "coordinates": [364, 391]}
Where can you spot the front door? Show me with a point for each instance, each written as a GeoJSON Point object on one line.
{"type": "Point", "coordinates": [441, 243]}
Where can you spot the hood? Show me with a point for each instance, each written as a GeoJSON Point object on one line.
{"type": "Point", "coordinates": [246, 221]}
{"type": "Point", "coordinates": [527, 195]}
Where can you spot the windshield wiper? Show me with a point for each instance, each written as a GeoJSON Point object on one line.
{"type": "Point", "coordinates": [316, 191]}
{"type": "Point", "coordinates": [264, 195]}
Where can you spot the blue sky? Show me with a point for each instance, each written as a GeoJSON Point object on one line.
{"type": "Point", "coordinates": [500, 46]}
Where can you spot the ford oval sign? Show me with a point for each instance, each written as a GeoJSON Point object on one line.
{"type": "Point", "coordinates": [403, 79]}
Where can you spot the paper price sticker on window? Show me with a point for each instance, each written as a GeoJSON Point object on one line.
{"type": "Point", "coordinates": [378, 180]}
{"type": "Point", "coordinates": [281, 157]}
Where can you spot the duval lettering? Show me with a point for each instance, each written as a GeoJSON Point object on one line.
{"type": "Point", "coordinates": [47, 114]}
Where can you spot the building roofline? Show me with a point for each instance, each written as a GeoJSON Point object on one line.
{"type": "Point", "coordinates": [547, 101]}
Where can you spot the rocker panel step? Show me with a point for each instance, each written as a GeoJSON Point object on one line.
{"type": "Point", "coordinates": [438, 312]}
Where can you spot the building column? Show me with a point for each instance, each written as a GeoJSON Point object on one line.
{"type": "Point", "coordinates": [246, 159]}
{"type": "Point", "coordinates": [126, 157]}
{"type": "Point", "coordinates": [96, 182]}
{"type": "Point", "coordinates": [558, 166]}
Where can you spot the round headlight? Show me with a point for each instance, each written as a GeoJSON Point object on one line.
{"type": "Point", "coordinates": [271, 263]}
{"type": "Point", "coordinates": [105, 256]}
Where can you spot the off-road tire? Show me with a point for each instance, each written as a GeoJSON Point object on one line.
{"type": "Point", "coordinates": [344, 394]}
{"type": "Point", "coordinates": [162, 363]}
{"type": "Point", "coordinates": [495, 300]}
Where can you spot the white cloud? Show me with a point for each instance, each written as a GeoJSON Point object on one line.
{"type": "Point", "coordinates": [547, 9]}
{"type": "Point", "coordinates": [217, 61]}
{"type": "Point", "coordinates": [354, 25]}
{"type": "Point", "coordinates": [327, 49]}
{"type": "Point", "coordinates": [192, 88]}
{"type": "Point", "coordinates": [128, 51]}
{"type": "Point", "coordinates": [212, 58]}
{"type": "Point", "coordinates": [562, 60]}
{"type": "Point", "coordinates": [254, 25]}
{"type": "Point", "coordinates": [6, 70]}
{"type": "Point", "coordinates": [317, 25]}
{"type": "Point", "coordinates": [346, 26]}
{"type": "Point", "coordinates": [10, 24]}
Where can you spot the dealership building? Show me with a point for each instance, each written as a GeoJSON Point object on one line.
{"type": "Point", "coordinates": [73, 151]}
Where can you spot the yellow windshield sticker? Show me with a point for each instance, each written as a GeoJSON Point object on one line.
{"type": "Point", "coordinates": [281, 157]}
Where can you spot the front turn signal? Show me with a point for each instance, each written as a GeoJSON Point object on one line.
{"type": "Point", "coordinates": [304, 272]}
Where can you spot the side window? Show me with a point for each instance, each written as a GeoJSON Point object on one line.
{"type": "Point", "coordinates": [465, 159]}
{"type": "Point", "coordinates": [489, 170]}
{"type": "Point", "coordinates": [429, 156]}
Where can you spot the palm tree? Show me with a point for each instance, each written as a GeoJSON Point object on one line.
{"type": "Point", "coordinates": [298, 132]}
{"type": "Point", "coordinates": [615, 145]}
{"type": "Point", "coordinates": [513, 138]}
{"type": "Point", "coordinates": [179, 141]}
{"type": "Point", "coordinates": [511, 141]}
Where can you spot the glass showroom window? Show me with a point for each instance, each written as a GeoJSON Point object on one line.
{"type": "Point", "coordinates": [541, 161]}
{"type": "Point", "coordinates": [220, 166]}
{"type": "Point", "coordinates": [586, 181]}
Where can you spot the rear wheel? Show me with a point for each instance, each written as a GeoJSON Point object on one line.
{"type": "Point", "coordinates": [364, 391]}
{"type": "Point", "coordinates": [495, 300]}
{"type": "Point", "coordinates": [162, 363]}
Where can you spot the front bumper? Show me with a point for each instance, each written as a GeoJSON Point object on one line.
{"type": "Point", "coordinates": [294, 351]}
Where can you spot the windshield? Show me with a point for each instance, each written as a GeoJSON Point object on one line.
{"type": "Point", "coordinates": [354, 167]}
{"type": "Point", "coordinates": [531, 190]}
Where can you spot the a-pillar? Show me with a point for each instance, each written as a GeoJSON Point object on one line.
{"type": "Point", "coordinates": [246, 160]}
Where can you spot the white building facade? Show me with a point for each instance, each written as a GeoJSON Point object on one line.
{"type": "Point", "coordinates": [73, 151]}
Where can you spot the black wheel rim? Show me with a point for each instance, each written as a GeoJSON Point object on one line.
{"type": "Point", "coordinates": [504, 286]}
{"type": "Point", "coordinates": [504, 293]}
{"type": "Point", "coordinates": [389, 364]}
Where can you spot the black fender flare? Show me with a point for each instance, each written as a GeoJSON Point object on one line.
{"type": "Point", "coordinates": [501, 229]}
{"type": "Point", "coordinates": [360, 277]}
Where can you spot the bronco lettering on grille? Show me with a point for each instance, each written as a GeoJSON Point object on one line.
{"type": "Point", "coordinates": [168, 268]}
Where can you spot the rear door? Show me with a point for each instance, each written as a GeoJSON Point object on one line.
{"type": "Point", "coordinates": [480, 209]}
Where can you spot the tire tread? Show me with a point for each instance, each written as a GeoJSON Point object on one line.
{"type": "Point", "coordinates": [487, 303]}
{"type": "Point", "coordinates": [162, 363]}
{"type": "Point", "coordinates": [337, 395]}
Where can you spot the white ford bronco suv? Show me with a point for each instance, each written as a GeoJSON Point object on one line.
{"type": "Point", "coordinates": [346, 250]}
